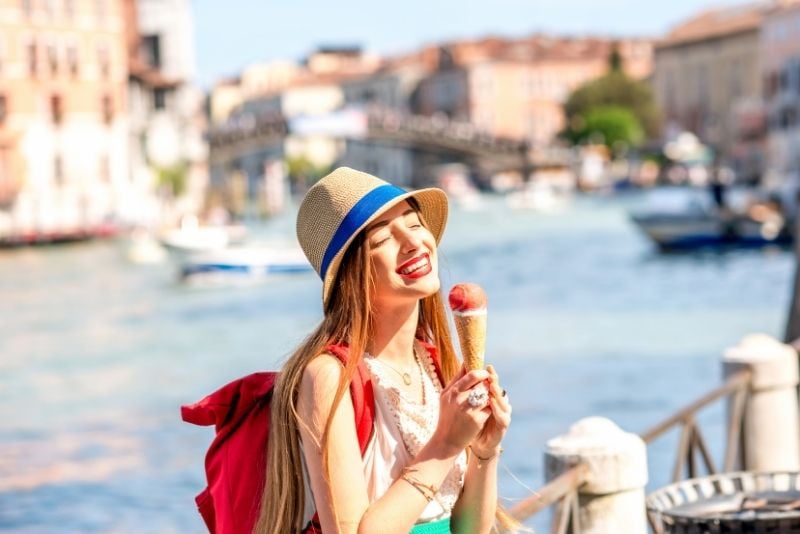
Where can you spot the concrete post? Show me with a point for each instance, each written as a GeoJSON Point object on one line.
{"type": "Point", "coordinates": [771, 429]}
{"type": "Point", "coordinates": [612, 499]}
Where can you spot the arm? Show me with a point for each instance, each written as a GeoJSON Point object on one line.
{"type": "Point", "coordinates": [475, 509]}
{"type": "Point", "coordinates": [402, 504]}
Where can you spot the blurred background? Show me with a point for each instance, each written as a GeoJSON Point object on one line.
{"type": "Point", "coordinates": [623, 180]}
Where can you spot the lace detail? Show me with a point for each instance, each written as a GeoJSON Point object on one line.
{"type": "Point", "coordinates": [417, 422]}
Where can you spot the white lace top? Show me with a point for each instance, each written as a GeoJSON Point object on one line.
{"type": "Point", "coordinates": [402, 427]}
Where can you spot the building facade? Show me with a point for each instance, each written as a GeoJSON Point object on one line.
{"type": "Point", "coordinates": [63, 120]}
{"type": "Point", "coordinates": [780, 60]}
{"type": "Point", "coordinates": [517, 89]}
{"type": "Point", "coordinates": [167, 153]}
{"type": "Point", "coordinates": [708, 80]}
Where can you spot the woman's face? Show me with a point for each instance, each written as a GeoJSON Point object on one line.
{"type": "Point", "coordinates": [402, 256]}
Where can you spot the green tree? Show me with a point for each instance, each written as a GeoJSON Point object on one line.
{"type": "Point", "coordinates": [614, 126]}
{"type": "Point", "coordinates": [173, 179]}
{"type": "Point", "coordinates": [303, 172]}
{"type": "Point", "coordinates": [614, 88]}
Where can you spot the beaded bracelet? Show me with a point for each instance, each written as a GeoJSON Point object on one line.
{"type": "Point", "coordinates": [482, 459]}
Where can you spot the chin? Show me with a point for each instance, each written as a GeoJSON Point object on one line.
{"type": "Point", "coordinates": [430, 287]}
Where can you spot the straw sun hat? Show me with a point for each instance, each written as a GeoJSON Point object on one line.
{"type": "Point", "coordinates": [345, 202]}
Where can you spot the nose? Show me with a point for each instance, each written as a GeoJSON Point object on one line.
{"type": "Point", "coordinates": [411, 241]}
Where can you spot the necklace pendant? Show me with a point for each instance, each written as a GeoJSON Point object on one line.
{"type": "Point", "coordinates": [406, 379]}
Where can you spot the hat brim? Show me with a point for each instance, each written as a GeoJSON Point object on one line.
{"type": "Point", "coordinates": [433, 207]}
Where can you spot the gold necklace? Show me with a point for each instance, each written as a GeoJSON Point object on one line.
{"type": "Point", "coordinates": [406, 376]}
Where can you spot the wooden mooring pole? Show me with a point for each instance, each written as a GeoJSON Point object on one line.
{"type": "Point", "coordinates": [611, 499]}
{"type": "Point", "coordinates": [793, 323]}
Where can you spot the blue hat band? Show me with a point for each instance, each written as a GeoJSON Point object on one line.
{"type": "Point", "coordinates": [355, 218]}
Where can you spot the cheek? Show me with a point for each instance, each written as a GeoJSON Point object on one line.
{"type": "Point", "coordinates": [380, 268]}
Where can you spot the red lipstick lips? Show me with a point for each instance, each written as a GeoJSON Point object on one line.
{"type": "Point", "coordinates": [419, 271]}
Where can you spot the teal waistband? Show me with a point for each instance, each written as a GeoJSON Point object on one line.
{"type": "Point", "coordinates": [441, 526]}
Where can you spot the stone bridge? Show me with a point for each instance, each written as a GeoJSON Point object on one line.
{"type": "Point", "coordinates": [436, 134]}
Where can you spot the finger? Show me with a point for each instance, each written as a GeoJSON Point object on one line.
{"type": "Point", "coordinates": [462, 399]}
{"type": "Point", "coordinates": [501, 404]}
{"type": "Point", "coordinates": [471, 379]}
{"type": "Point", "coordinates": [461, 372]}
{"type": "Point", "coordinates": [494, 388]}
{"type": "Point", "coordinates": [501, 416]}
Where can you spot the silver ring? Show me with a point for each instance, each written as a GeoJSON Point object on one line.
{"type": "Point", "coordinates": [478, 397]}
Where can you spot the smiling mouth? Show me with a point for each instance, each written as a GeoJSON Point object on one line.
{"type": "Point", "coordinates": [415, 266]}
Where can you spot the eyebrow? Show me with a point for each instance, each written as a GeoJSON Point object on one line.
{"type": "Point", "coordinates": [384, 223]}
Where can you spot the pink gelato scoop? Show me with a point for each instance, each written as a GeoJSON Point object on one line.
{"type": "Point", "coordinates": [467, 297]}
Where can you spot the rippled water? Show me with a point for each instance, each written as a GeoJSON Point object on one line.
{"type": "Point", "coordinates": [97, 355]}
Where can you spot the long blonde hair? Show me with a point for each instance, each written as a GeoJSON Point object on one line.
{"type": "Point", "coordinates": [348, 319]}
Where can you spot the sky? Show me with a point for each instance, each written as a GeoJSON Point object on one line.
{"type": "Point", "coordinates": [231, 34]}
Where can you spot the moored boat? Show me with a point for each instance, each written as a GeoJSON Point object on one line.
{"type": "Point", "coordinates": [680, 219]}
{"type": "Point", "coordinates": [244, 263]}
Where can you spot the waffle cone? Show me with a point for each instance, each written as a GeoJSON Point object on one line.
{"type": "Point", "coordinates": [471, 331]}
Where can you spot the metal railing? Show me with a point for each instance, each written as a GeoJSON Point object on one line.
{"type": "Point", "coordinates": [562, 491]}
{"type": "Point", "coordinates": [691, 441]}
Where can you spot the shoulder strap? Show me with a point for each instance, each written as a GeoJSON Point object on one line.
{"type": "Point", "coordinates": [362, 394]}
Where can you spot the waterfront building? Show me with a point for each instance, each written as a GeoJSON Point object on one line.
{"type": "Point", "coordinates": [780, 61]}
{"type": "Point", "coordinates": [394, 86]}
{"type": "Point", "coordinates": [708, 80]}
{"type": "Point", "coordinates": [511, 88]}
{"type": "Point", "coordinates": [63, 119]}
{"type": "Point", "coordinates": [255, 81]}
{"type": "Point", "coordinates": [167, 153]}
{"type": "Point", "coordinates": [281, 92]}
{"type": "Point", "coordinates": [517, 88]}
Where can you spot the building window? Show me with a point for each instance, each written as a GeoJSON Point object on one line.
{"type": "Point", "coordinates": [72, 60]}
{"type": "Point", "coordinates": [103, 60]}
{"type": "Point", "coordinates": [105, 169]}
{"type": "Point", "coordinates": [107, 106]}
{"type": "Point", "coordinates": [52, 58]}
{"type": "Point", "coordinates": [159, 99]}
{"type": "Point", "coordinates": [100, 10]}
{"type": "Point", "coordinates": [3, 108]}
{"type": "Point", "coordinates": [56, 109]}
{"type": "Point", "coordinates": [69, 8]}
{"type": "Point", "coordinates": [33, 65]}
{"type": "Point", "coordinates": [27, 7]}
{"type": "Point", "coordinates": [151, 50]}
{"type": "Point", "coordinates": [58, 169]}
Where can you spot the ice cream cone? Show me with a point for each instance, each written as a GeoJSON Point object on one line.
{"type": "Point", "coordinates": [471, 329]}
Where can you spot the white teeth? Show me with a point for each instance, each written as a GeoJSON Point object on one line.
{"type": "Point", "coordinates": [422, 262]}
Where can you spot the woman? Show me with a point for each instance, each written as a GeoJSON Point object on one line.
{"type": "Point", "coordinates": [374, 246]}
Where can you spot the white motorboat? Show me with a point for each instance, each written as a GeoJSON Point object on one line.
{"type": "Point", "coordinates": [540, 196]}
{"type": "Point", "coordinates": [244, 263]}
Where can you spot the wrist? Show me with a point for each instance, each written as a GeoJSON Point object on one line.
{"type": "Point", "coordinates": [442, 448]}
{"type": "Point", "coordinates": [486, 455]}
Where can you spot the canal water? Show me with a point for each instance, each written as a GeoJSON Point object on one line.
{"type": "Point", "coordinates": [586, 318]}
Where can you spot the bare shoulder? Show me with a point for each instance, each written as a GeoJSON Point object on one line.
{"type": "Point", "coordinates": [317, 390]}
{"type": "Point", "coordinates": [319, 383]}
{"type": "Point", "coordinates": [322, 373]}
